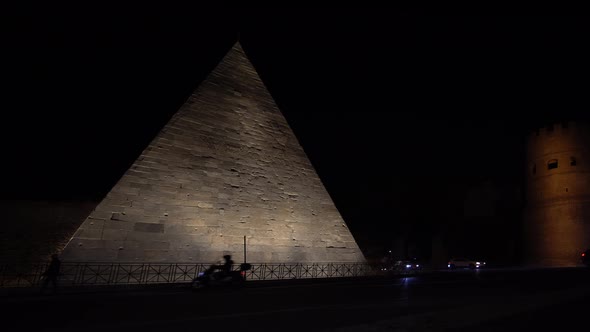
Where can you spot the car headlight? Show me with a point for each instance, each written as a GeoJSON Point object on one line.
{"type": "Point", "coordinates": [408, 266]}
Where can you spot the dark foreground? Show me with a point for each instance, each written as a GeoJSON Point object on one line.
{"type": "Point", "coordinates": [488, 300]}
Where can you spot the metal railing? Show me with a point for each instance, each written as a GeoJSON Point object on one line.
{"type": "Point", "coordinates": [81, 274]}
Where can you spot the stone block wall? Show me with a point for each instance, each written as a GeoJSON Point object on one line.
{"type": "Point", "coordinates": [557, 214]}
{"type": "Point", "coordinates": [226, 166]}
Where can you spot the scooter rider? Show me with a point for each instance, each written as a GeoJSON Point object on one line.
{"type": "Point", "coordinates": [225, 269]}
{"type": "Point", "coordinates": [228, 265]}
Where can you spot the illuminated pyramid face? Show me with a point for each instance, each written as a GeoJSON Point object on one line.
{"type": "Point", "coordinates": [226, 166]}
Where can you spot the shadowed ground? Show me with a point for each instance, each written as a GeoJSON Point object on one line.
{"type": "Point", "coordinates": [488, 300]}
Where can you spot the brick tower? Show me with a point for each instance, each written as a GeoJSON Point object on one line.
{"type": "Point", "coordinates": [557, 214]}
{"type": "Point", "coordinates": [226, 166]}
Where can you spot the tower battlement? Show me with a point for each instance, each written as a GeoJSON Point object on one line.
{"type": "Point", "coordinates": [558, 137]}
{"type": "Point", "coordinates": [558, 128]}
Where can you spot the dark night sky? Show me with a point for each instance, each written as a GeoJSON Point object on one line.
{"type": "Point", "coordinates": [395, 107]}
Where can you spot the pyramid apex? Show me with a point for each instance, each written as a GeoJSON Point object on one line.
{"type": "Point", "coordinates": [237, 46]}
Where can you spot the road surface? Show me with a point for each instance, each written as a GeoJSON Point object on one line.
{"type": "Point", "coordinates": [488, 300]}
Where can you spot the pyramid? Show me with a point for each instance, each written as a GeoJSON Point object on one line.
{"type": "Point", "coordinates": [226, 166]}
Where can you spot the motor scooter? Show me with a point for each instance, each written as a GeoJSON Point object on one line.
{"type": "Point", "coordinates": [213, 277]}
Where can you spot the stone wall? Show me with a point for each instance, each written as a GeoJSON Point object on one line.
{"type": "Point", "coordinates": [557, 215]}
{"type": "Point", "coordinates": [33, 230]}
{"type": "Point", "coordinates": [226, 166]}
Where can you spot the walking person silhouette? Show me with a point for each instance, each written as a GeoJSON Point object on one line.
{"type": "Point", "coordinates": [51, 274]}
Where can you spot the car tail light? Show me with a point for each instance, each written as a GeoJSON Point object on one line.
{"type": "Point", "coordinates": [583, 254]}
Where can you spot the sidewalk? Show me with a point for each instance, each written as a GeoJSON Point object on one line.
{"type": "Point", "coordinates": [80, 289]}
{"type": "Point", "coordinates": [109, 288]}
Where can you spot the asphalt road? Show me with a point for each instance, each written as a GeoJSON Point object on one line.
{"type": "Point", "coordinates": [487, 299]}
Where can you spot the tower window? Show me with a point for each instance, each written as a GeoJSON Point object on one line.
{"type": "Point", "coordinates": [573, 161]}
{"type": "Point", "coordinates": [552, 164]}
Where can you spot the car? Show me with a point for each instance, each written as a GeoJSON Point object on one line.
{"type": "Point", "coordinates": [407, 265]}
{"type": "Point", "coordinates": [585, 258]}
{"type": "Point", "coordinates": [461, 262]}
